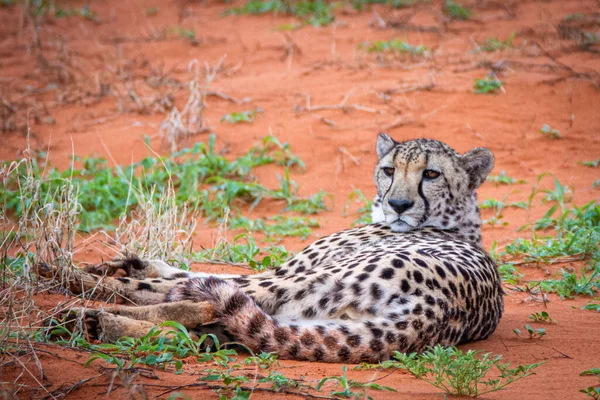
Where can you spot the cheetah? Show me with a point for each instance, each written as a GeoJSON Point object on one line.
{"type": "Point", "coordinates": [416, 277]}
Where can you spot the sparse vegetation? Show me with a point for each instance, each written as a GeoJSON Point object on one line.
{"type": "Point", "coordinates": [364, 210]}
{"type": "Point", "coordinates": [244, 116]}
{"type": "Point", "coordinates": [311, 12]}
{"type": "Point", "coordinates": [492, 44]}
{"type": "Point", "coordinates": [549, 132]}
{"type": "Point", "coordinates": [533, 333]}
{"type": "Point", "coordinates": [154, 350]}
{"type": "Point", "coordinates": [455, 10]}
{"type": "Point", "coordinates": [592, 306]}
{"type": "Point", "coordinates": [395, 46]}
{"type": "Point", "coordinates": [592, 391]}
{"type": "Point", "coordinates": [106, 194]}
{"type": "Point", "coordinates": [347, 385]}
{"type": "Point", "coordinates": [487, 85]}
{"type": "Point", "coordinates": [592, 164]}
{"type": "Point", "coordinates": [504, 179]}
{"type": "Point", "coordinates": [84, 12]}
{"type": "Point", "coordinates": [541, 316]}
{"type": "Point", "coordinates": [458, 373]}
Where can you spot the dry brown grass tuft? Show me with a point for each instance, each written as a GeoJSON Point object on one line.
{"type": "Point", "coordinates": [190, 120]}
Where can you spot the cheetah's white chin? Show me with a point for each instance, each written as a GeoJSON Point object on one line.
{"type": "Point", "coordinates": [401, 226]}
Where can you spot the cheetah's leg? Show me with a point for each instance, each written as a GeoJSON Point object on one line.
{"type": "Point", "coordinates": [111, 323]}
{"type": "Point", "coordinates": [110, 289]}
{"type": "Point", "coordinates": [313, 340]}
{"type": "Point", "coordinates": [133, 267]}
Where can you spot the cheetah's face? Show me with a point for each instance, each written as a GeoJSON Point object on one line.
{"type": "Point", "coordinates": [424, 183]}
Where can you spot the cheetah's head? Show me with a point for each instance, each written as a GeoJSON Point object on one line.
{"type": "Point", "coordinates": [424, 183]}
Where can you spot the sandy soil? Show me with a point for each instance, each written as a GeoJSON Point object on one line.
{"type": "Point", "coordinates": [547, 80]}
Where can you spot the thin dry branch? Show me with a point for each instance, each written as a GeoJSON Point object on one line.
{"type": "Point", "coordinates": [341, 106]}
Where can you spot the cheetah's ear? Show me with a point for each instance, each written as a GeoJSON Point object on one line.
{"type": "Point", "coordinates": [477, 163]}
{"type": "Point", "coordinates": [384, 145]}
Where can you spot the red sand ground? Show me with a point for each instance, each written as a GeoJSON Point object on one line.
{"type": "Point", "coordinates": [548, 80]}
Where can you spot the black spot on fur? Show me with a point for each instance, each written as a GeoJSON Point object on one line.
{"type": "Point", "coordinates": [256, 324]}
{"type": "Point", "coordinates": [376, 291]}
{"type": "Point", "coordinates": [294, 350]}
{"type": "Point", "coordinates": [387, 273]}
{"type": "Point", "coordinates": [440, 272]}
{"type": "Point", "coordinates": [376, 345]}
{"type": "Point", "coordinates": [309, 312]}
{"type": "Point", "coordinates": [145, 286]}
{"type": "Point", "coordinates": [319, 354]}
{"type": "Point", "coordinates": [370, 267]}
{"type": "Point", "coordinates": [418, 276]}
{"type": "Point", "coordinates": [281, 335]}
{"type": "Point", "coordinates": [124, 280]}
{"type": "Point", "coordinates": [235, 303]}
{"type": "Point", "coordinates": [344, 353]}
{"type": "Point", "coordinates": [307, 340]}
{"type": "Point", "coordinates": [405, 286]}
{"type": "Point", "coordinates": [377, 333]}
{"type": "Point", "coordinates": [353, 340]}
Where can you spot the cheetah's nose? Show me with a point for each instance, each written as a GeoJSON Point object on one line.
{"type": "Point", "coordinates": [400, 205]}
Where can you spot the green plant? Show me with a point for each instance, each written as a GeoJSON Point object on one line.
{"type": "Point", "coordinates": [509, 273]}
{"type": "Point", "coordinates": [361, 4]}
{"type": "Point", "coordinates": [312, 12]}
{"type": "Point", "coordinates": [499, 205]}
{"type": "Point", "coordinates": [244, 250]}
{"type": "Point", "coordinates": [547, 131]}
{"type": "Point", "coordinates": [84, 12]}
{"type": "Point", "coordinates": [577, 234]}
{"type": "Point", "coordinates": [492, 44]}
{"type": "Point", "coordinates": [202, 179]}
{"type": "Point", "coordinates": [591, 164]}
{"type": "Point", "coordinates": [160, 350]}
{"type": "Point", "coordinates": [458, 373]}
{"type": "Point", "coordinates": [364, 210]}
{"type": "Point", "coordinates": [533, 333]}
{"type": "Point", "coordinates": [395, 46]}
{"type": "Point", "coordinates": [456, 11]}
{"type": "Point", "coordinates": [592, 391]}
{"type": "Point", "coordinates": [487, 85]}
{"type": "Point", "coordinates": [280, 382]}
{"type": "Point", "coordinates": [244, 116]}
{"type": "Point", "coordinates": [348, 384]}
{"type": "Point", "coordinates": [232, 383]}
{"type": "Point", "coordinates": [184, 33]}
{"type": "Point", "coordinates": [569, 285]}
{"type": "Point", "coordinates": [592, 307]}
{"type": "Point", "coordinates": [504, 179]}
{"type": "Point", "coordinates": [263, 360]}
{"type": "Point", "coordinates": [541, 316]}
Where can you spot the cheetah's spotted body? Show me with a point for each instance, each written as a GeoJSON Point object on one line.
{"type": "Point", "coordinates": [416, 278]}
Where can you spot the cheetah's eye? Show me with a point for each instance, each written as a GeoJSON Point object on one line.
{"type": "Point", "coordinates": [430, 174]}
{"type": "Point", "coordinates": [388, 171]}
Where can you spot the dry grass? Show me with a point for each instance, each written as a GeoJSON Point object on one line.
{"type": "Point", "coordinates": [45, 232]}
{"type": "Point", "coordinates": [190, 120]}
{"type": "Point", "coordinates": [157, 231]}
